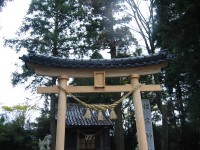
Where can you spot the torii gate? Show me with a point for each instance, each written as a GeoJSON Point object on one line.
{"type": "Point", "coordinates": [64, 69]}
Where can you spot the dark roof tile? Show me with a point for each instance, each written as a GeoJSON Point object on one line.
{"type": "Point", "coordinates": [138, 61]}
{"type": "Point", "coordinates": [75, 117]}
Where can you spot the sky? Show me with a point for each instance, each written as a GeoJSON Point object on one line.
{"type": "Point", "coordinates": [10, 20]}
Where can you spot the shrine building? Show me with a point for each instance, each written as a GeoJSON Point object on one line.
{"type": "Point", "coordinates": [87, 133]}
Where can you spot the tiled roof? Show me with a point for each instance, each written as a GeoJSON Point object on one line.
{"type": "Point", "coordinates": [130, 62]}
{"type": "Point", "coordinates": [75, 117]}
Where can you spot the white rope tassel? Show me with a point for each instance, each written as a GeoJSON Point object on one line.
{"type": "Point", "coordinates": [87, 114]}
{"type": "Point", "coordinates": [100, 115]}
{"type": "Point", "coordinates": [113, 114]}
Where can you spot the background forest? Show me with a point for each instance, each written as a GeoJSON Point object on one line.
{"type": "Point", "coordinates": [121, 28]}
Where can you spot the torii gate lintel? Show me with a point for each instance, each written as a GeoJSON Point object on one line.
{"type": "Point", "coordinates": [92, 89]}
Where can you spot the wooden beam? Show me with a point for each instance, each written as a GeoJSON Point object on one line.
{"type": "Point", "coordinates": [61, 115]}
{"type": "Point", "coordinates": [111, 72]}
{"type": "Point", "coordinates": [92, 89]}
{"type": "Point", "coordinates": [139, 115]}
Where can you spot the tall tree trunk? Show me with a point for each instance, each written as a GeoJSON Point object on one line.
{"type": "Point", "coordinates": [165, 130]}
{"type": "Point", "coordinates": [119, 132]}
{"type": "Point", "coordinates": [182, 114]}
{"type": "Point", "coordinates": [163, 110]}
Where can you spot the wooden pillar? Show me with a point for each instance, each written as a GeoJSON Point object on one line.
{"type": "Point", "coordinates": [61, 115]}
{"type": "Point", "coordinates": [140, 124]}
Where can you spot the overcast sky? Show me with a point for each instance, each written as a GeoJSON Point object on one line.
{"type": "Point", "coordinates": [10, 20]}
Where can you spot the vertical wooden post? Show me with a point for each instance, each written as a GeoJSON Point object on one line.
{"type": "Point", "coordinates": [61, 115]}
{"type": "Point", "coordinates": [141, 132]}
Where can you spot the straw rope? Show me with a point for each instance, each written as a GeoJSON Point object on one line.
{"type": "Point", "coordinates": [98, 132]}
{"type": "Point", "coordinates": [89, 137]}
{"type": "Point", "coordinates": [102, 107]}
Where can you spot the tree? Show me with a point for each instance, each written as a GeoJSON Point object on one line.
{"type": "Point", "coordinates": [15, 128]}
{"type": "Point", "coordinates": [14, 137]}
{"type": "Point", "coordinates": [105, 31]}
{"type": "Point", "coordinates": [178, 31]}
{"type": "Point", "coordinates": [144, 22]}
{"type": "Point", "coordinates": [129, 126]}
{"type": "Point", "coordinates": [41, 126]}
{"type": "Point", "coordinates": [19, 113]}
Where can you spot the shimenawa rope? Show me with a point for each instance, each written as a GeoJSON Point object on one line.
{"type": "Point", "coordinates": [100, 107]}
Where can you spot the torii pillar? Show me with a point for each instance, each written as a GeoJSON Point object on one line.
{"type": "Point", "coordinates": [139, 116]}
{"type": "Point", "coordinates": [60, 132]}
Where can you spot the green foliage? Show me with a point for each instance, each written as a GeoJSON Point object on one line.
{"type": "Point", "coordinates": [15, 134]}
{"type": "Point", "coordinates": [177, 30]}
{"type": "Point", "coordinates": [129, 126]}
{"type": "Point", "coordinates": [16, 107]}
{"type": "Point", "coordinates": [18, 113]}
{"type": "Point", "coordinates": [178, 26]}
{"type": "Point", "coordinates": [14, 137]}
{"type": "Point", "coordinates": [48, 27]}
{"type": "Point", "coordinates": [104, 31]}
{"type": "Point", "coordinates": [41, 126]}
{"type": "Point", "coordinates": [16, 130]}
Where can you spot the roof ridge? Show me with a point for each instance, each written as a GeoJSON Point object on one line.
{"type": "Point", "coordinates": [128, 62]}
